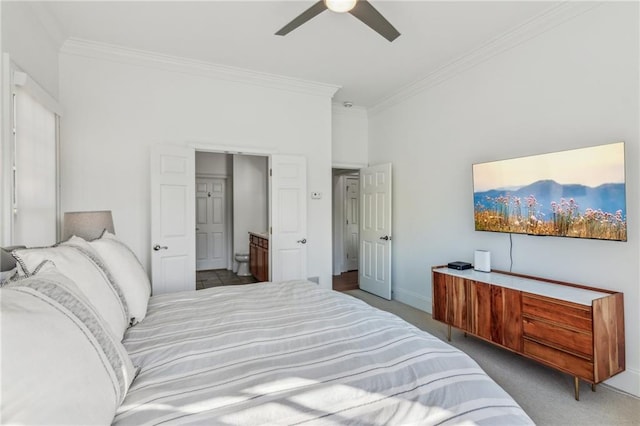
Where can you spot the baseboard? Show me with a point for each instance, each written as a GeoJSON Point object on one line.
{"type": "Point", "coordinates": [628, 381]}
{"type": "Point", "coordinates": [413, 299]}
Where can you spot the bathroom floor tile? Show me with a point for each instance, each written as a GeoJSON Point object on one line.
{"type": "Point", "coordinates": [219, 277]}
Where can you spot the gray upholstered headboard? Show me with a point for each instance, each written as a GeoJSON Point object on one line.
{"type": "Point", "coordinates": [7, 262]}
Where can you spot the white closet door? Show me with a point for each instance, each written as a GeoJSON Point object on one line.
{"type": "Point", "coordinates": [173, 255]}
{"type": "Point", "coordinates": [34, 198]}
{"type": "Point", "coordinates": [211, 224]}
{"type": "Point", "coordinates": [288, 245]}
{"type": "Point", "coordinates": [375, 230]}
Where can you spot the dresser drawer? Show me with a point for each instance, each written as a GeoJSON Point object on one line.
{"type": "Point", "coordinates": [576, 341]}
{"type": "Point", "coordinates": [571, 314]}
{"type": "Point", "coordinates": [562, 360]}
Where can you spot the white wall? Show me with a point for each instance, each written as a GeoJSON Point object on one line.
{"type": "Point", "coordinates": [118, 105]}
{"type": "Point", "coordinates": [574, 86]}
{"type": "Point", "coordinates": [349, 136]}
{"type": "Point", "coordinates": [250, 199]}
{"type": "Point", "coordinates": [31, 46]}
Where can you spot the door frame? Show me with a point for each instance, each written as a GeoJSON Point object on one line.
{"type": "Point", "coordinates": [345, 225]}
{"type": "Point", "coordinates": [231, 150]}
{"type": "Point", "coordinates": [337, 211]}
{"type": "Point", "coordinates": [186, 169]}
{"type": "Point", "coordinates": [237, 150]}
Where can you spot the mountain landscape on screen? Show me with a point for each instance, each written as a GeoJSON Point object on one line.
{"type": "Point", "coordinates": [547, 207]}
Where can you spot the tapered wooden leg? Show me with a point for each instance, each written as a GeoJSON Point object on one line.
{"type": "Point", "coordinates": [449, 333]}
{"type": "Point", "coordinates": [576, 386]}
{"type": "Point", "coordinates": [593, 387]}
{"type": "Point", "coordinates": [465, 334]}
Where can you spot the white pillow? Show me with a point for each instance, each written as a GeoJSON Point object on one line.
{"type": "Point", "coordinates": [77, 260]}
{"type": "Point", "coordinates": [5, 276]}
{"type": "Point", "coordinates": [60, 362]}
{"type": "Point", "coordinates": [127, 271]}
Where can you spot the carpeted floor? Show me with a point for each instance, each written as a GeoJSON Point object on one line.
{"type": "Point", "coordinates": [545, 394]}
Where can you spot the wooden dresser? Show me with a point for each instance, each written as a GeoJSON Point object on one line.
{"type": "Point", "coordinates": [259, 256]}
{"type": "Point", "coordinates": [573, 328]}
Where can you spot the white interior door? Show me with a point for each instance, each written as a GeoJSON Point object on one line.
{"type": "Point", "coordinates": [211, 226]}
{"type": "Point", "coordinates": [173, 259]}
{"type": "Point", "coordinates": [288, 245]}
{"type": "Point", "coordinates": [375, 230]}
{"type": "Point", "coordinates": [352, 223]}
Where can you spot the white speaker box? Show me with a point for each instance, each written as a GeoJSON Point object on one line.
{"type": "Point", "coordinates": [482, 261]}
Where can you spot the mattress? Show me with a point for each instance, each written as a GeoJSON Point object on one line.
{"type": "Point", "coordinates": [292, 353]}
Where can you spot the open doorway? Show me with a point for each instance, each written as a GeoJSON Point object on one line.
{"type": "Point", "coordinates": [173, 216]}
{"type": "Point", "coordinates": [231, 202]}
{"type": "Point", "coordinates": [370, 208]}
{"type": "Point", "coordinates": [346, 228]}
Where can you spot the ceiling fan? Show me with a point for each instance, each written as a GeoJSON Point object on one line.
{"type": "Point", "coordinates": [361, 9]}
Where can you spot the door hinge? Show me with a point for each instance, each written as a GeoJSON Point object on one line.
{"type": "Point", "coordinates": [270, 172]}
{"type": "Point", "coordinates": [347, 221]}
{"type": "Point", "coordinates": [270, 230]}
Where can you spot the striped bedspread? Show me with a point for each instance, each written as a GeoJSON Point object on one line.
{"type": "Point", "coordinates": [291, 353]}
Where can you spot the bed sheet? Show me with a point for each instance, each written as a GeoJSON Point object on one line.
{"type": "Point", "coordinates": [292, 353]}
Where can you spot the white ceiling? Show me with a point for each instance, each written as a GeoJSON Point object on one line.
{"type": "Point", "coordinates": [331, 48]}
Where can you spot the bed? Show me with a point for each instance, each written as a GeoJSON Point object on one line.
{"type": "Point", "coordinates": [274, 353]}
{"type": "Point", "coordinates": [291, 353]}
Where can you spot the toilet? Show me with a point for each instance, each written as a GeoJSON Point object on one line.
{"type": "Point", "coordinates": [243, 264]}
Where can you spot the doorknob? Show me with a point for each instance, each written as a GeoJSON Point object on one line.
{"type": "Point", "coordinates": [386, 238]}
{"type": "Point", "coordinates": [158, 247]}
{"type": "Point", "coordinates": [303, 241]}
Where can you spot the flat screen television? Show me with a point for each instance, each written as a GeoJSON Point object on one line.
{"type": "Point", "coordinates": [578, 193]}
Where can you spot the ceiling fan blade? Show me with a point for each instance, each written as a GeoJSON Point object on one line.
{"type": "Point", "coordinates": [368, 14]}
{"type": "Point", "coordinates": [313, 11]}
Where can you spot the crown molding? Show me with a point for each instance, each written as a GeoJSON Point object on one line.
{"type": "Point", "coordinates": [109, 52]}
{"type": "Point", "coordinates": [531, 28]}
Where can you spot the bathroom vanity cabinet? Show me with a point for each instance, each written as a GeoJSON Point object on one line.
{"type": "Point", "coordinates": [259, 256]}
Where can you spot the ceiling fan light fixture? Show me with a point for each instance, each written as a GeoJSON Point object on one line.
{"type": "Point", "coordinates": [340, 6]}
